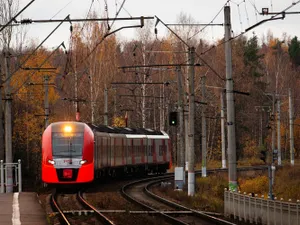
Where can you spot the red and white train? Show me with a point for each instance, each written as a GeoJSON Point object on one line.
{"type": "Point", "coordinates": [76, 152]}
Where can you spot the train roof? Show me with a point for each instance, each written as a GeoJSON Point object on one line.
{"type": "Point", "coordinates": [125, 130]}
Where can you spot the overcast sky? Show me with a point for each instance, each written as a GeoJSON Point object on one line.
{"type": "Point", "coordinates": [244, 13]}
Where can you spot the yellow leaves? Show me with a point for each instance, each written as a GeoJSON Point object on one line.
{"type": "Point", "coordinates": [29, 98]}
{"type": "Point", "coordinates": [119, 122]}
{"type": "Point", "coordinates": [258, 185]}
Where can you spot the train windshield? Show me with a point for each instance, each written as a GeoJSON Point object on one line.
{"type": "Point", "coordinates": [69, 145]}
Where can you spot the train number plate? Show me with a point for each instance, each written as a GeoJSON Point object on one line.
{"type": "Point", "coordinates": [67, 173]}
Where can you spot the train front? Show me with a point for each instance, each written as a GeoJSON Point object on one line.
{"type": "Point", "coordinates": [67, 153]}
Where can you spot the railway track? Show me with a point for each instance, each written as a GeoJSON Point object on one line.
{"type": "Point", "coordinates": [73, 213]}
{"type": "Point", "coordinates": [138, 192]}
{"type": "Point", "coordinates": [110, 207]}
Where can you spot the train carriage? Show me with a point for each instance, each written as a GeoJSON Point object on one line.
{"type": "Point", "coordinates": [75, 152]}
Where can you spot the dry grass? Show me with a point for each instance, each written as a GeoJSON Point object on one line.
{"type": "Point", "coordinates": [209, 193]}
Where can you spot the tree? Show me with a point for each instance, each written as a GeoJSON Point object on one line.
{"type": "Point", "coordinates": [252, 58]}
{"type": "Point", "coordinates": [294, 51]}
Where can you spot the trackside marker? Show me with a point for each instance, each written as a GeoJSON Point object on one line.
{"type": "Point", "coordinates": [16, 210]}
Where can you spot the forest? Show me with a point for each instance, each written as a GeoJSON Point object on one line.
{"type": "Point", "coordinates": [91, 63]}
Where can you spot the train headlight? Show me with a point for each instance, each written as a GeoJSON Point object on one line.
{"type": "Point", "coordinates": [83, 162]}
{"type": "Point", "coordinates": [51, 162]}
{"type": "Point", "coordinates": [67, 129]}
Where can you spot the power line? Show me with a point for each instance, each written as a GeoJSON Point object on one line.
{"type": "Point", "coordinates": [14, 18]}
{"type": "Point", "coordinates": [250, 28]}
{"type": "Point", "coordinates": [210, 21]}
{"type": "Point", "coordinates": [62, 9]}
{"type": "Point", "coordinates": [247, 13]}
{"type": "Point", "coordinates": [87, 15]}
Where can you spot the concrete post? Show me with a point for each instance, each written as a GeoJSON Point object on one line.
{"type": "Point", "coordinates": [1, 124]}
{"type": "Point", "coordinates": [191, 159]}
{"type": "Point", "coordinates": [8, 129]}
{"type": "Point", "coordinates": [223, 131]}
{"type": "Point", "coordinates": [46, 100]}
{"type": "Point", "coordinates": [181, 119]}
{"type": "Point", "coordinates": [105, 107]}
{"type": "Point", "coordinates": [144, 90]}
{"type": "Point", "coordinates": [273, 137]}
{"type": "Point", "coordinates": [203, 124]}
{"type": "Point", "coordinates": [20, 175]}
{"type": "Point", "coordinates": [76, 98]}
{"type": "Point", "coordinates": [232, 172]}
{"type": "Point", "coordinates": [2, 176]}
{"type": "Point", "coordinates": [261, 128]}
{"type": "Point", "coordinates": [92, 99]}
{"type": "Point", "coordinates": [223, 142]}
{"type": "Point", "coordinates": [291, 128]}
{"type": "Point", "coordinates": [278, 134]}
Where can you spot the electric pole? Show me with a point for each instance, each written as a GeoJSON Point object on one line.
{"type": "Point", "coordinates": [291, 128]}
{"type": "Point", "coordinates": [223, 131]}
{"type": "Point", "coordinates": [191, 159]}
{"type": "Point", "coordinates": [46, 85]}
{"type": "Point", "coordinates": [8, 130]}
{"type": "Point", "coordinates": [230, 105]}
{"type": "Point", "coordinates": [144, 90]}
{"type": "Point", "coordinates": [181, 119]}
{"type": "Point", "coordinates": [278, 134]}
{"type": "Point", "coordinates": [76, 97]}
{"type": "Point", "coordinates": [105, 107]}
{"type": "Point", "coordinates": [92, 99]}
{"type": "Point", "coordinates": [273, 137]}
{"type": "Point", "coordinates": [203, 82]}
{"type": "Point", "coordinates": [1, 123]}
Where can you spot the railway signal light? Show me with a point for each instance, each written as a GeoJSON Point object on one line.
{"type": "Point", "coordinates": [263, 156]}
{"type": "Point", "coordinates": [173, 119]}
{"type": "Point", "coordinates": [275, 155]}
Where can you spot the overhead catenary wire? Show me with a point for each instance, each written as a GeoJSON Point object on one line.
{"type": "Point", "coordinates": [247, 15]}
{"type": "Point", "coordinates": [212, 69]}
{"type": "Point", "coordinates": [14, 18]}
{"type": "Point", "coordinates": [40, 66]}
{"type": "Point", "coordinates": [87, 15]}
{"type": "Point", "coordinates": [250, 28]}
{"type": "Point", "coordinates": [241, 23]}
{"type": "Point", "coordinates": [23, 63]}
{"type": "Point", "coordinates": [210, 21]}
{"type": "Point", "coordinates": [104, 36]}
{"type": "Point", "coordinates": [61, 9]}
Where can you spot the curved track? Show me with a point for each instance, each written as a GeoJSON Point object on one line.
{"type": "Point", "coordinates": [138, 193]}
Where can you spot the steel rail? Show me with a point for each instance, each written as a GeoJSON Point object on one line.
{"type": "Point", "coordinates": [196, 213]}
{"type": "Point", "coordinates": [55, 207]}
{"type": "Point", "coordinates": [101, 217]}
{"type": "Point", "coordinates": [143, 205]}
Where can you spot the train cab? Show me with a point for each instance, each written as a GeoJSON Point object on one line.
{"type": "Point", "coordinates": [67, 153]}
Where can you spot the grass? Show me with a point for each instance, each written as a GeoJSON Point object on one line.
{"type": "Point", "coordinates": [209, 192]}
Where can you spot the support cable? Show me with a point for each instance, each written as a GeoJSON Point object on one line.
{"type": "Point", "coordinates": [14, 18]}
{"type": "Point", "coordinates": [23, 63]}
{"type": "Point", "coordinates": [210, 21]}
{"type": "Point", "coordinates": [255, 25]}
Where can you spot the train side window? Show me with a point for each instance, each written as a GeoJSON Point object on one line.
{"type": "Point", "coordinates": [149, 150]}
{"type": "Point", "coordinates": [160, 152]}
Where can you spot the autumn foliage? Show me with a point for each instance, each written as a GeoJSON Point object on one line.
{"type": "Point", "coordinates": [95, 61]}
